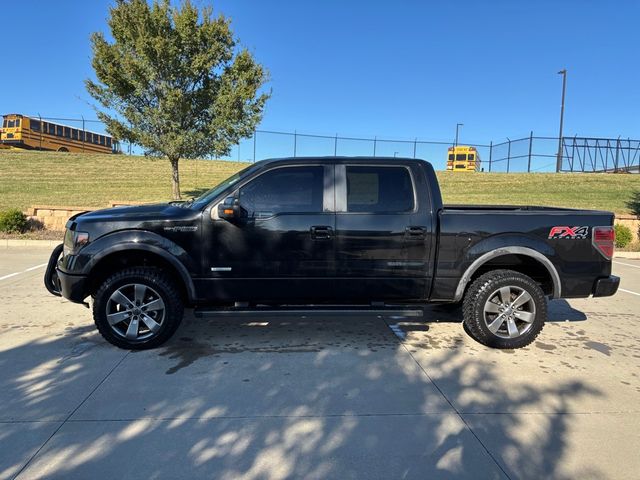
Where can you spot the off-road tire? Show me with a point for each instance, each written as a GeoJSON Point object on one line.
{"type": "Point", "coordinates": [485, 287]}
{"type": "Point", "coordinates": [154, 278]}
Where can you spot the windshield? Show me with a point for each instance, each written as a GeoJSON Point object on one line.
{"type": "Point", "coordinates": [204, 199]}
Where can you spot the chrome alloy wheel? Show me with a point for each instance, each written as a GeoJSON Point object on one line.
{"type": "Point", "coordinates": [135, 311]}
{"type": "Point", "coordinates": [509, 312]}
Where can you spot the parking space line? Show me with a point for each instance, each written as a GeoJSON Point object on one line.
{"type": "Point", "coordinates": [627, 264]}
{"type": "Point", "coordinates": [24, 271]}
{"type": "Point", "coordinates": [629, 291]}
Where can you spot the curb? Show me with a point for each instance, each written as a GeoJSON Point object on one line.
{"type": "Point", "coordinates": [629, 255]}
{"type": "Point", "coordinates": [14, 242]}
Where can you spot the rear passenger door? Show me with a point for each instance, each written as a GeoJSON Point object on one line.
{"type": "Point", "coordinates": [381, 239]}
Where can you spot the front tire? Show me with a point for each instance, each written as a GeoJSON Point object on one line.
{"type": "Point", "coordinates": [504, 309]}
{"type": "Point", "coordinates": [137, 308]}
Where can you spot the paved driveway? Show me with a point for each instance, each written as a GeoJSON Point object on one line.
{"type": "Point", "coordinates": [313, 397]}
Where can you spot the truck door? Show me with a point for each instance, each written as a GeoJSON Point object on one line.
{"type": "Point", "coordinates": [382, 236]}
{"type": "Point", "coordinates": [284, 248]}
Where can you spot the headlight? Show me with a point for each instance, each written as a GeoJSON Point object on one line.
{"type": "Point", "coordinates": [74, 241]}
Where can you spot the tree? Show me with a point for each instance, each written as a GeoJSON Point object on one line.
{"type": "Point", "coordinates": [174, 81]}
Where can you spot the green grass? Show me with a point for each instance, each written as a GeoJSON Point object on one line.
{"type": "Point", "coordinates": [92, 180]}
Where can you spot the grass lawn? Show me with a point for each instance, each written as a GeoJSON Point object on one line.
{"type": "Point", "coordinates": [92, 180]}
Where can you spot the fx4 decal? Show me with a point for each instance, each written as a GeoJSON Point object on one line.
{"type": "Point", "coordinates": [573, 233]}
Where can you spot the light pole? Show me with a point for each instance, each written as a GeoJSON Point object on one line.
{"type": "Point", "coordinates": [458, 125]}
{"type": "Point", "coordinates": [562, 72]}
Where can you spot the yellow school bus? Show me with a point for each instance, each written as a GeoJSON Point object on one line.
{"type": "Point", "coordinates": [462, 158]}
{"type": "Point", "coordinates": [21, 131]}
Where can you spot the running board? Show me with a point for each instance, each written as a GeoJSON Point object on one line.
{"type": "Point", "coordinates": [308, 311]}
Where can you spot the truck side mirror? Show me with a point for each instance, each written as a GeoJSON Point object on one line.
{"type": "Point", "coordinates": [231, 210]}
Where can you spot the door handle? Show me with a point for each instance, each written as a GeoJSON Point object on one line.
{"type": "Point", "coordinates": [415, 232]}
{"type": "Point", "coordinates": [321, 232]}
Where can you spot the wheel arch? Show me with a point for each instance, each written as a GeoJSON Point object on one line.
{"type": "Point", "coordinates": [521, 259]}
{"type": "Point", "coordinates": [125, 255]}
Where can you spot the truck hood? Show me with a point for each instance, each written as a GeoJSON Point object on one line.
{"type": "Point", "coordinates": [157, 218]}
{"type": "Point", "coordinates": [157, 212]}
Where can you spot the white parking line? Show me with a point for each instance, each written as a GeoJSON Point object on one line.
{"type": "Point", "coordinates": [629, 291]}
{"type": "Point", "coordinates": [627, 264]}
{"type": "Point", "coordinates": [24, 271]}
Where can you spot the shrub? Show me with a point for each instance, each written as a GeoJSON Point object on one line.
{"type": "Point", "coordinates": [623, 235]}
{"type": "Point", "coordinates": [13, 221]}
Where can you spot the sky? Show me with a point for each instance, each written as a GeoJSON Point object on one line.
{"type": "Point", "coordinates": [391, 69]}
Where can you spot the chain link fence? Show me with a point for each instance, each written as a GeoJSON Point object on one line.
{"type": "Point", "coordinates": [526, 154]}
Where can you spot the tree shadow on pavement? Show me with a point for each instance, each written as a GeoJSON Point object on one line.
{"type": "Point", "coordinates": [284, 398]}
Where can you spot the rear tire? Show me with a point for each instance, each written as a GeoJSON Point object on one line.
{"type": "Point", "coordinates": [137, 308]}
{"type": "Point", "coordinates": [504, 309]}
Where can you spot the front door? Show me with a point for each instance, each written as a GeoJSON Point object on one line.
{"type": "Point", "coordinates": [284, 248]}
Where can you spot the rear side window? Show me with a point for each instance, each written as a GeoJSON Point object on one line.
{"type": "Point", "coordinates": [461, 156]}
{"type": "Point", "coordinates": [373, 189]}
{"type": "Point", "coordinates": [284, 190]}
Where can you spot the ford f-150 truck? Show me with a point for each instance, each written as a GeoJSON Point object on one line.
{"type": "Point", "coordinates": [335, 232]}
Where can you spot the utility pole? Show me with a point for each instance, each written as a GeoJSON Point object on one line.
{"type": "Point", "coordinates": [562, 72]}
{"type": "Point", "coordinates": [458, 125]}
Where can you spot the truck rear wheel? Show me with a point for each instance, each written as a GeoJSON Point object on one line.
{"type": "Point", "coordinates": [137, 308]}
{"type": "Point", "coordinates": [504, 309]}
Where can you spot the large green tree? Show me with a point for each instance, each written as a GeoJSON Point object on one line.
{"type": "Point", "coordinates": [174, 81]}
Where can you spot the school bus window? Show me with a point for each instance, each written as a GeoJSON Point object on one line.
{"type": "Point", "coordinates": [59, 130]}
{"type": "Point", "coordinates": [471, 156]}
{"type": "Point", "coordinates": [11, 124]}
{"type": "Point", "coordinates": [451, 156]}
{"type": "Point", "coordinates": [67, 132]}
{"type": "Point", "coordinates": [17, 122]}
{"type": "Point", "coordinates": [35, 125]}
{"type": "Point", "coordinates": [81, 135]}
{"type": "Point", "coordinates": [52, 129]}
{"type": "Point", "coordinates": [74, 134]}
{"type": "Point", "coordinates": [101, 140]}
{"type": "Point", "coordinates": [109, 142]}
{"type": "Point", "coordinates": [4, 123]}
{"type": "Point", "coordinates": [461, 156]}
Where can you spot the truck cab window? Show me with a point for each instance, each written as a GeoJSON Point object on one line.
{"type": "Point", "coordinates": [373, 189]}
{"type": "Point", "coordinates": [284, 190]}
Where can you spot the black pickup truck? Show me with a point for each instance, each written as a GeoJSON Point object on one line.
{"type": "Point", "coordinates": [331, 232]}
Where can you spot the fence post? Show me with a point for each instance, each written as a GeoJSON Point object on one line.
{"type": "Point", "coordinates": [508, 154]}
{"type": "Point", "coordinates": [40, 118]}
{"type": "Point", "coordinates": [84, 134]}
{"type": "Point", "coordinates": [375, 140]}
{"type": "Point", "coordinates": [415, 144]}
{"type": "Point", "coordinates": [295, 142]}
{"type": "Point", "coordinates": [617, 153]}
{"type": "Point", "coordinates": [490, 153]}
{"type": "Point", "coordinates": [335, 146]}
{"type": "Point", "coordinates": [530, 145]}
{"type": "Point", "coordinates": [254, 145]}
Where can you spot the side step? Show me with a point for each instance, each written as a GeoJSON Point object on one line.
{"type": "Point", "coordinates": [296, 311]}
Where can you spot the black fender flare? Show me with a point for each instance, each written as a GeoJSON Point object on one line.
{"type": "Point", "coordinates": [510, 250]}
{"type": "Point", "coordinates": [137, 240]}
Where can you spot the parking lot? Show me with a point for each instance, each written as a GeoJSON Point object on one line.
{"type": "Point", "coordinates": [313, 397]}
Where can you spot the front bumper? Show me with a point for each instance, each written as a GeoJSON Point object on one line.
{"type": "Point", "coordinates": [72, 287]}
{"type": "Point", "coordinates": [59, 283]}
{"type": "Point", "coordinates": [605, 287]}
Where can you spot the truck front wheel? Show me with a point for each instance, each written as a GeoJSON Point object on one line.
{"type": "Point", "coordinates": [504, 309]}
{"type": "Point", "coordinates": [137, 308]}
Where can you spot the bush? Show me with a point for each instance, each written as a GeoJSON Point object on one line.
{"type": "Point", "coordinates": [13, 221]}
{"type": "Point", "coordinates": [623, 235]}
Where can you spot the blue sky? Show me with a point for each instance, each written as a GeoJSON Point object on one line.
{"type": "Point", "coordinates": [395, 69]}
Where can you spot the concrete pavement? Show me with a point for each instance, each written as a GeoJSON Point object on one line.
{"type": "Point", "coordinates": [314, 397]}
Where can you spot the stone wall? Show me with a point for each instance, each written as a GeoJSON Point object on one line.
{"type": "Point", "coordinates": [55, 217]}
